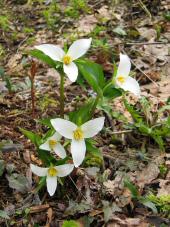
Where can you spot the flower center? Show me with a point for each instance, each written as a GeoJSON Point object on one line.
{"type": "Point", "coordinates": [67, 59]}
{"type": "Point", "coordinates": [78, 134]}
{"type": "Point", "coordinates": [121, 79]}
{"type": "Point", "coordinates": [52, 172]}
{"type": "Point", "coordinates": [52, 143]}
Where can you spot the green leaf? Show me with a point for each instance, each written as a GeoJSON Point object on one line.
{"type": "Point", "coordinates": [134, 113]}
{"type": "Point", "coordinates": [83, 114]}
{"type": "Point", "coordinates": [149, 204]}
{"type": "Point", "coordinates": [36, 139]}
{"type": "Point", "coordinates": [132, 188]}
{"type": "Point", "coordinates": [120, 31]}
{"type": "Point", "coordinates": [3, 214]}
{"type": "Point", "coordinates": [93, 74]}
{"type": "Point", "coordinates": [18, 182]}
{"type": "Point", "coordinates": [109, 91]}
{"type": "Point", "coordinates": [70, 223]}
{"type": "Point", "coordinates": [94, 155]}
{"type": "Point", "coordinates": [44, 58]}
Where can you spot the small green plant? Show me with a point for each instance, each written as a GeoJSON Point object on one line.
{"type": "Point", "coordinates": [76, 7]}
{"type": "Point", "coordinates": [4, 23]}
{"type": "Point", "coordinates": [162, 203]}
{"type": "Point", "coordinates": [147, 122]}
{"type": "Point", "coordinates": [51, 15]}
{"type": "Point", "coordinates": [78, 128]}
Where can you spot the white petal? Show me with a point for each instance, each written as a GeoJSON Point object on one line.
{"type": "Point", "coordinates": [59, 150]}
{"type": "Point", "coordinates": [124, 66]}
{"type": "Point", "coordinates": [79, 48]}
{"type": "Point", "coordinates": [92, 127]}
{"type": "Point", "coordinates": [64, 170]}
{"type": "Point", "coordinates": [71, 71]}
{"type": "Point", "coordinates": [53, 51]}
{"type": "Point", "coordinates": [131, 85]}
{"type": "Point", "coordinates": [78, 150]}
{"type": "Point", "coordinates": [39, 171]}
{"type": "Point", "coordinates": [45, 146]}
{"type": "Point", "coordinates": [64, 127]}
{"type": "Point", "coordinates": [51, 185]}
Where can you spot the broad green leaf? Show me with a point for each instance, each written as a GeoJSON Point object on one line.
{"type": "Point", "coordinates": [94, 155]}
{"type": "Point", "coordinates": [93, 74]}
{"type": "Point", "coordinates": [149, 204]}
{"type": "Point", "coordinates": [36, 139]}
{"type": "Point", "coordinates": [44, 58]}
{"type": "Point", "coordinates": [132, 188]}
{"type": "Point", "coordinates": [83, 114]}
{"type": "Point", "coordinates": [3, 214]}
{"type": "Point", "coordinates": [109, 91]}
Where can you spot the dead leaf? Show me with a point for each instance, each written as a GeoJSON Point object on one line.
{"type": "Point", "coordinates": [86, 24]}
{"type": "Point", "coordinates": [164, 188]}
{"type": "Point", "coordinates": [150, 173]}
{"type": "Point", "coordinates": [148, 34]}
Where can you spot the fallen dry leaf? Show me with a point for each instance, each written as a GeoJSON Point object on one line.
{"type": "Point", "coordinates": [150, 173]}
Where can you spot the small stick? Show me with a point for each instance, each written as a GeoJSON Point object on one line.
{"type": "Point", "coordinates": [33, 71]}
{"type": "Point", "coordinates": [77, 188]}
{"type": "Point", "coordinates": [39, 208]}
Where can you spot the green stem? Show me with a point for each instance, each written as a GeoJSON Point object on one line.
{"type": "Point", "coordinates": [94, 105]}
{"type": "Point", "coordinates": [62, 95]}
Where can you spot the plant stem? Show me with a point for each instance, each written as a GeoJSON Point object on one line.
{"type": "Point", "coordinates": [33, 97]}
{"type": "Point", "coordinates": [94, 105]}
{"type": "Point", "coordinates": [62, 95]}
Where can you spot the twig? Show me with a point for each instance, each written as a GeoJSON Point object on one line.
{"type": "Point", "coordinates": [77, 188]}
{"type": "Point", "coordinates": [146, 43]}
{"type": "Point", "coordinates": [121, 132]}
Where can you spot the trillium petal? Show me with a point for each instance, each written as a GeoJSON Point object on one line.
{"type": "Point", "coordinates": [64, 127]}
{"type": "Point", "coordinates": [59, 150]}
{"type": "Point", "coordinates": [124, 66]}
{"type": "Point", "coordinates": [39, 171]}
{"type": "Point", "coordinates": [53, 51]}
{"type": "Point", "coordinates": [78, 150]}
{"type": "Point", "coordinates": [92, 127]}
{"type": "Point", "coordinates": [51, 184]}
{"type": "Point", "coordinates": [64, 170]}
{"type": "Point", "coordinates": [45, 146]}
{"type": "Point", "coordinates": [131, 85]}
{"type": "Point", "coordinates": [79, 48]}
{"type": "Point", "coordinates": [71, 71]}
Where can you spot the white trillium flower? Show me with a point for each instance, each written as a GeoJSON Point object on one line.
{"type": "Point", "coordinates": [51, 174]}
{"type": "Point", "coordinates": [76, 50]}
{"type": "Point", "coordinates": [53, 144]}
{"type": "Point", "coordinates": [77, 134]}
{"type": "Point", "coordinates": [123, 80]}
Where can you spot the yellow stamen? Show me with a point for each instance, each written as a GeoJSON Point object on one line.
{"type": "Point", "coordinates": [52, 143]}
{"type": "Point", "coordinates": [78, 134]}
{"type": "Point", "coordinates": [121, 79]}
{"type": "Point", "coordinates": [52, 172]}
{"type": "Point", "coordinates": [67, 59]}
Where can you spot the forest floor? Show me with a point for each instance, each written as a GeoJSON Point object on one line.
{"type": "Point", "coordinates": [94, 196]}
